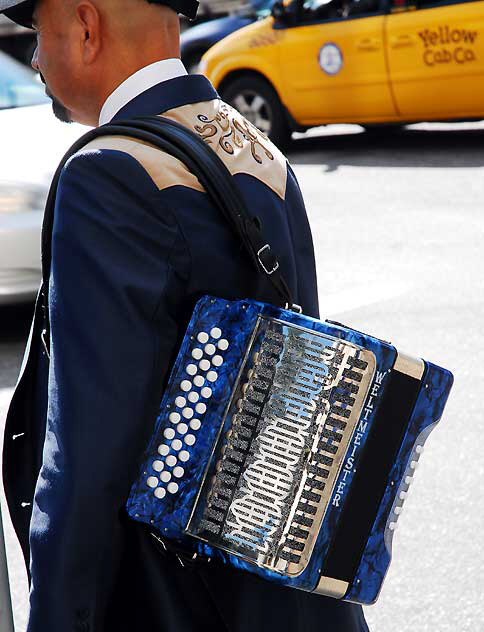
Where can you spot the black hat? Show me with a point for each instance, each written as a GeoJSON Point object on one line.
{"type": "Point", "coordinates": [20, 11]}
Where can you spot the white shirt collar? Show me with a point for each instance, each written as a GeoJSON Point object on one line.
{"type": "Point", "coordinates": [137, 83]}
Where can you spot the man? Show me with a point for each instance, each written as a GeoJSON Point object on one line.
{"type": "Point", "coordinates": [135, 243]}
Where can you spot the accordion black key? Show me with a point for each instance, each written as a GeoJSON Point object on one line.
{"type": "Point", "coordinates": [285, 446]}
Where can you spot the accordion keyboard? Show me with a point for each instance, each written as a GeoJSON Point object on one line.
{"type": "Point", "coordinates": [189, 408]}
{"type": "Point", "coordinates": [293, 412]}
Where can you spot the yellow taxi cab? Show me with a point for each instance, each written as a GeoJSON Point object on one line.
{"type": "Point", "coordinates": [314, 62]}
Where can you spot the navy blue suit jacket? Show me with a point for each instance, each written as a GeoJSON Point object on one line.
{"type": "Point", "coordinates": [136, 242]}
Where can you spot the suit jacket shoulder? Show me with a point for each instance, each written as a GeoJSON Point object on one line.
{"type": "Point", "coordinates": [241, 146]}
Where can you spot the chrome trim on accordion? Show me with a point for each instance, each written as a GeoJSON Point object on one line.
{"type": "Point", "coordinates": [293, 411]}
{"type": "Point", "coordinates": [414, 367]}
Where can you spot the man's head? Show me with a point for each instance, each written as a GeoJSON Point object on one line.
{"type": "Point", "coordinates": [86, 48]}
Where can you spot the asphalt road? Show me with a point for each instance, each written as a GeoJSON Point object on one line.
{"type": "Point", "coordinates": [398, 226]}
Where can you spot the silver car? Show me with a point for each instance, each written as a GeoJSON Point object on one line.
{"type": "Point", "coordinates": [32, 142]}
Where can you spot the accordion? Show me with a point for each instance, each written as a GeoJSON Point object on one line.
{"type": "Point", "coordinates": [285, 446]}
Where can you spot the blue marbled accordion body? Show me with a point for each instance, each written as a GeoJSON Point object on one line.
{"type": "Point", "coordinates": [285, 446]}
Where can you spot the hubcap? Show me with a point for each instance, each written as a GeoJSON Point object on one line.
{"type": "Point", "coordinates": [255, 109]}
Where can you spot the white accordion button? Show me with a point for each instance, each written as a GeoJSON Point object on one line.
{"type": "Point", "coordinates": [195, 424]}
{"type": "Point", "coordinates": [215, 332]}
{"type": "Point", "coordinates": [413, 465]}
{"type": "Point", "coordinates": [392, 526]}
{"type": "Point", "coordinates": [217, 360]}
{"type": "Point", "coordinates": [171, 460]}
{"type": "Point", "coordinates": [419, 449]}
{"type": "Point", "coordinates": [402, 495]}
{"type": "Point", "coordinates": [201, 408]}
{"type": "Point", "coordinates": [184, 456]}
{"type": "Point", "coordinates": [223, 344]}
{"type": "Point", "coordinates": [197, 354]}
{"type": "Point", "coordinates": [191, 369]}
{"type": "Point", "coordinates": [165, 476]}
{"type": "Point", "coordinates": [158, 466]}
{"type": "Point", "coordinates": [176, 444]}
{"type": "Point", "coordinates": [198, 380]}
{"type": "Point", "coordinates": [169, 433]}
{"type": "Point", "coordinates": [152, 481]}
{"type": "Point", "coordinates": [188, 413]}
{"type": "Point", "coordinates": [408, 480]}
{"type": "Point", "coordinates": [190, 439]}
{"type": "Point", "coordinates": [172, 488]}
{"type": "Point", "coordinates": [202, 337]}
{"type": "Point", "coordinates": [206, 392]}
{"type": "Point", "coordinates": [210, 349]}
{"type": "Point", "coordinates": [180, 401]}
{"type": "Point", "coordinates": [163, 449]}
{"type": "Point", "coordinates": [174, 418]}
{"type": "Point", "coordinates": [178, 471]}
{"type": "Point", "coordinates": [193, 397]}
{"type": "Point", "coordinates": [398, 510]}
{"type": "Point", "coordinates": [204, 365]}
{"type": "Point", "coordinates": [160, 492]}
{"type": "Point", "coordinates": [186, 385]}
{"type": "Point", "coordinates": [212, 376]}
{"type": "Point", "coordinates": [182, 429]}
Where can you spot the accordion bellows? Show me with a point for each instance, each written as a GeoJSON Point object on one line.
{"type": "Point", "coordinates": [285, 446]}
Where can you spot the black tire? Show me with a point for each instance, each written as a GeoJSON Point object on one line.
{"type": "Point", "coordinates": [255, 99]}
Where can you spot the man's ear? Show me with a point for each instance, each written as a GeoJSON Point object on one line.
{"type": "Point", "coordinates": [89, 20]}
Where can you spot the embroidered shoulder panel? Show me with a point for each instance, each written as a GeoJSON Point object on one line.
{"type": "Point", "coordinates": [240, 145]}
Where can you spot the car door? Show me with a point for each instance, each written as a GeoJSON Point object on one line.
{"type": "Point", "coordinates": [332, 61]}
{"type": "Point", "coordinates": [436, 58]}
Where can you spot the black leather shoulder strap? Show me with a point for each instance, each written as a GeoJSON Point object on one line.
{"type": "Point", "coordinates": [203, 162]}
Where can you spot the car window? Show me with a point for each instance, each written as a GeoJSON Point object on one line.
{"type": "Point", "coordinates": [319, 10]}
{"type": "Point", "coordinates": [19, 86]}
{"type": "Point", "coordinates": [262, 7]}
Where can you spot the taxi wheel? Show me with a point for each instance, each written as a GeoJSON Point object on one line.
{"type": "Point", "coordinates": [257, 101]}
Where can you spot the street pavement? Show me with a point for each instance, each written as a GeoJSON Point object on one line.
{"type": "Point", "coordinates": [398, 225]}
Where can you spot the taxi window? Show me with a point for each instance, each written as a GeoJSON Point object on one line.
{"type": "Point", "coordinates": [323, 10]}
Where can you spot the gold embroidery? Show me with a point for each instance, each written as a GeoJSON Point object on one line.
{"type": "Point", "coordinates": [232, 132]}
{"type": "Point", "coordinates": [251, 134]}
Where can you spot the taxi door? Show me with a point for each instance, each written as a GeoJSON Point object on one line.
{"type": "Point", "coordinates": [332, 61]}
{"type": "Point", "coordinates": [436, 58]}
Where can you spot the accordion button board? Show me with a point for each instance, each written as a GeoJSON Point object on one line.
{"type": "Point", "coordinates": [286, 446]}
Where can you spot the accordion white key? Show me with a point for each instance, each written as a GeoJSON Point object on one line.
{"type": "Point", "coordinates": [285, 446]}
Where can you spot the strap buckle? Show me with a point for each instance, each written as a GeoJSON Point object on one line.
{"type": "Point", "coordinates": [294, 308]}
{"type": "Point", "coordinates": [275, 262]}
{"type": "Point", "coordinates": [43, 337]}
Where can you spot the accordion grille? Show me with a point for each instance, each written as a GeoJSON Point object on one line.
{"type": "Point", "coordinates": [292, 413]}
